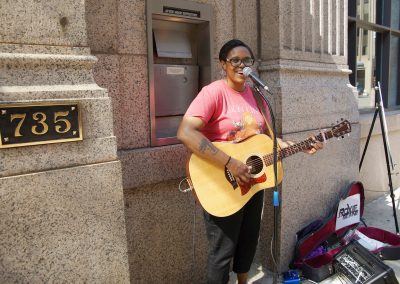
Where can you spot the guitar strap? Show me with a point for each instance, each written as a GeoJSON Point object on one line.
{"type": "Point", "coordinates": [261, 108]}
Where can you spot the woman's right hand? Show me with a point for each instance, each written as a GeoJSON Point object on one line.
{"type": "Point", "coordinates": [240, 171]}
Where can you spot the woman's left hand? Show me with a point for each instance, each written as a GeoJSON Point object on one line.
{"type": "Point", "coordinates": [315, 146]}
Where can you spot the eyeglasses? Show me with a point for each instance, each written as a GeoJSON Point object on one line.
{"type": "Point", "coordinates": [236, 61]}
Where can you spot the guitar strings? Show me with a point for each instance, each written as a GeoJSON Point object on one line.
{"type": "Point", "coordinates": [292, 149]}
{"type": "Point", "coordinates": [268, 159]}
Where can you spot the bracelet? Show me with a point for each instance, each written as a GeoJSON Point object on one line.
{"type": "Point", "coordinates": [228, 161]}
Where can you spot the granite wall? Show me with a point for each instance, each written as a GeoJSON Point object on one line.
{"type": "Point", "coordinates": [61, 204]}
{"type": "Point", "coordinates": [65, 220]}
{"type": "Point", "coordinates": [309, 78]}
{"type": "Point", "coordinates": [162, 222]}
{"type": "Point", "coordinates": [304, 57]}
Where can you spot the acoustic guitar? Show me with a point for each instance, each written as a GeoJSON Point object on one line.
{"type": "Point", "coordinates": [217, 189]}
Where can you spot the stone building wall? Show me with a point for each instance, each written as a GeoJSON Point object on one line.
{"type": "Point", "coordinates": [304, 62]}
{"type": "Point", "coordinates": [162, 223]}
{"type": "Point", "coordinates": [90, 211]}
{"type": "Point", "coordinates": [309, 77]}
{"type": "Point", "coordinates": [61, 204]}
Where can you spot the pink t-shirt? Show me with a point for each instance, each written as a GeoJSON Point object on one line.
{"type": "Point", "coordinates": [228, 115]}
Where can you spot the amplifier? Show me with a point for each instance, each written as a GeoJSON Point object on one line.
{"type": "Point", "coordinates": [356, 265]}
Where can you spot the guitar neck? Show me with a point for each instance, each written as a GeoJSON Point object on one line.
{"type": "Point", "coordinates": [298, 147]}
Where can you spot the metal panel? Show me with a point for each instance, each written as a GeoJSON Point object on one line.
{"type": "Point", "coordinates": [167, 126]}
{"type": "Point", "coordinates": [174, 89]}
{"type": "Point", "coordinates": [170, 43]}
{"type": "Point", "coordinates": [169, 100]}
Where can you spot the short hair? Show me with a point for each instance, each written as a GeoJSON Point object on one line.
{"type": "Point", "coordinates": [229, 45]}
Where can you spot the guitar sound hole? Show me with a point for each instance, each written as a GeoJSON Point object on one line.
{"type": "Point", "coordinates": [256, 164]}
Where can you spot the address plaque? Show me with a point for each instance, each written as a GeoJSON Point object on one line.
{"type": "Point", "coordinates": [39, 123]}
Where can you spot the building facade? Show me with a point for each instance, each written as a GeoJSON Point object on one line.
{"type": "Point", "coordinates": [374, 33]}
{"type": "Point", "coordinates": [108, 208]}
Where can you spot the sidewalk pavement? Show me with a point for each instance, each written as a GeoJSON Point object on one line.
{"type": "Point", "coordinates": [377, 213]}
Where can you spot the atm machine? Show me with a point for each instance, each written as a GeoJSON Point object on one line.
{"type": "Point", "coordinates": [179, 60]}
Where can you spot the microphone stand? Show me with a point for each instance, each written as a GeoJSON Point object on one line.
{"type": "Point", "coordinates": [276, 192]}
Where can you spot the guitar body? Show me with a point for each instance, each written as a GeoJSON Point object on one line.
{"type": "Point", "coordinates": [217, 190]}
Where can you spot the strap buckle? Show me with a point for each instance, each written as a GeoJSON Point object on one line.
{"type": "Point", "coordinates": [189, 185]}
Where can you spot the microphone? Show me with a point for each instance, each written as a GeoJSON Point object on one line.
{"type": "Point", "coordinates": [249, 73]}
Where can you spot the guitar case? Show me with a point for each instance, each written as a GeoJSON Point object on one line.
{"type": "Point", "coordinates": [391, 251]}
{"type": "Point", "coordinates": [319, 242]}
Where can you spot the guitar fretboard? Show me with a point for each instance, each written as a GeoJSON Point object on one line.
{"type": "Point", "coordinates": [298, 147]}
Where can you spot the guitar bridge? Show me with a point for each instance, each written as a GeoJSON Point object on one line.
{"type": "Point", "coordinates": [231, 179]}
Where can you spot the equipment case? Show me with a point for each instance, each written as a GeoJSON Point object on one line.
{"type": "Point", "coordinates": [356, 264]}
{"type": "Point", "coordinates": [319, 242]}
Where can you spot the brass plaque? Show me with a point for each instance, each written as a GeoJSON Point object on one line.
{"type": "Point", "coordinates": [39, 123]}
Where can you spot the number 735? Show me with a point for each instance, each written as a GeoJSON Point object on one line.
{"type": "Point", "coordinates": [61, 123]}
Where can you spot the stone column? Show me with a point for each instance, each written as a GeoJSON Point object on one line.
{"type": "Point", "coordinates": [62, 209]}
{"type": "Point", "coordinates": [304, 61]}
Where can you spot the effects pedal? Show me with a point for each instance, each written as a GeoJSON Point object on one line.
{"type": "Point", "coordinates": [291, 277]}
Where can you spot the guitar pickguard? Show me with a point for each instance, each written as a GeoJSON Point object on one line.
{"type": "Point", "coordinates": [246, 188]}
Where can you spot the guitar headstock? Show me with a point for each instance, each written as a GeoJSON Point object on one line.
{"type": "Point", "coordinates": [342, 128]}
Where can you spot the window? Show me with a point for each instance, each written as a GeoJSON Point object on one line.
{"type": "Point", "coordinates": [373, 50]}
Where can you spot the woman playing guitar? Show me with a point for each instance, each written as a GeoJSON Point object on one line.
{"type": "Point", "coordinates": [226, 110]}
